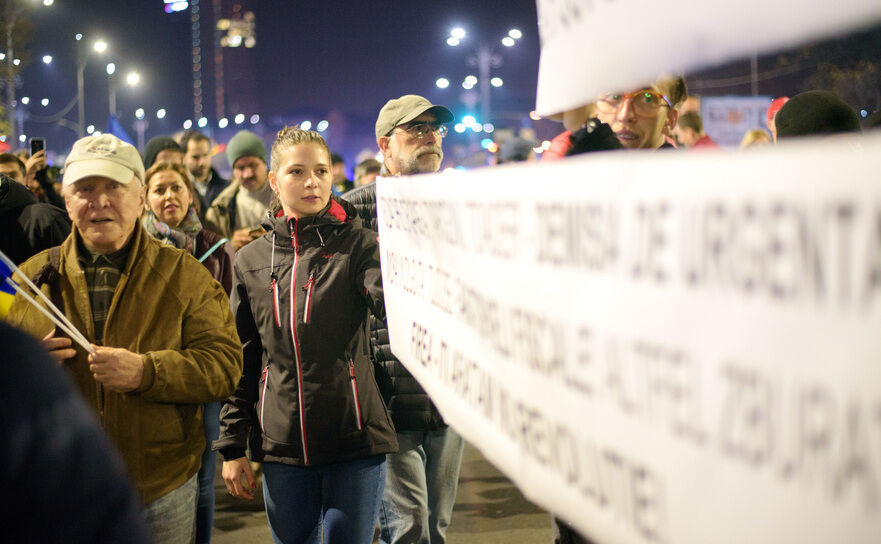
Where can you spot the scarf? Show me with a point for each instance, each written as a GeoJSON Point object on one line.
{"type": "Point", "coordinates": [182, 236]}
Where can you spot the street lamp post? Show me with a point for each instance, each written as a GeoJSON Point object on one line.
{"type": "Point", "coordinates": [10, 73]}
{"type": "Point", "coordinates": [132, 79]}
{"type": "Point", "coordinates": [141, 125]}
{"type": "Point", "coordinates": [82, 59]}
{"type": "Point", "coordinates": [485, 59]}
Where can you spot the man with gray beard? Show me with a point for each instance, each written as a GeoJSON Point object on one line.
{"type": "Point", "coordinates": [421, 479]}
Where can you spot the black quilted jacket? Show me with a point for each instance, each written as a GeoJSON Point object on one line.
{"type": "Point", "coordinates": [410, 407]}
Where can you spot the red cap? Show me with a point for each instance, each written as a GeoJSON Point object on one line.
{"type": "Point", "coordinates": [775, 106]}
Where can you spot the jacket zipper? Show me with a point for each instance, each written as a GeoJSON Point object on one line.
{"type": "Point", "coordinates": [355, 394]}
{"type": "Point", "coordinates": [295, 243]}
{"type": "Point", "coordinates": [275, 307]}
{"type": "Point", "coordinates": [263, 396]}
{"type": "Point", "coordinates": [307, 311]}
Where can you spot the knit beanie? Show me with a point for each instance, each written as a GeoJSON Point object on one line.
{"type": "Point", "coordinates": [245, 143]}
{"type": "Point", "coordinates": [815, 113]}
{"type": "Point", "coordinates": [155, 145]}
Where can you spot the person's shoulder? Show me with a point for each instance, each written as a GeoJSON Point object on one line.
{"type": "Point", "coordinates": [43, 214]}
{"type": "Point", "coordinates": [361, 195]}
{"type": "Point", "coordinates": [226, 196]}
{"type": "Point", "coordinates": [207, 238]}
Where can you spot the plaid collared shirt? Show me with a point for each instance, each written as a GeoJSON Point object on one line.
{"type": "Point", "coordinates": [102, 275]}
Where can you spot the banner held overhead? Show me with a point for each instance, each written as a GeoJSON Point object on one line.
{"type": "Point", "coordinates": [589, 47]}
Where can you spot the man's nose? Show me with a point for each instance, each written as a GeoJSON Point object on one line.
{"type": "Point", "coordinates": [101, 200]}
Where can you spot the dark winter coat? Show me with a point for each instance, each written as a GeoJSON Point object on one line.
{"type": "Point", "coordinates": [301, 295]}
{"type": "Point", "coordinates": [28, 226]}
{"type": "Point", "coordinates": [409, 404]}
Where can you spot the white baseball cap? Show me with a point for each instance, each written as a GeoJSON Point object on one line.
{"type": "Point", "coordinates": [103, 155]}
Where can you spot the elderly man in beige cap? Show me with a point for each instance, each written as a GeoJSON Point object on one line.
{"type": "Point", "coordinates": [162, 334]}
{"type": "Point", "coordinates": [422, 478]}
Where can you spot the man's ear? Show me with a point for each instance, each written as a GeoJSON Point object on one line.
{"type": "Point", "coordinates": [383, 143]}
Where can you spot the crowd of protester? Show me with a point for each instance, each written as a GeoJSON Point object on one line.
{"type": "Point", "coordinates": [246, 317]}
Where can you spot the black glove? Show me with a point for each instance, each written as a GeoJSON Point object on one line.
{"type": "Point", "coordinates": [593, 136]}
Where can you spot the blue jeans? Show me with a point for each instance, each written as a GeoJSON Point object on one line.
{"type": "Point", "coordinates": [420, 487]}
{"type": "Point", "coordinates": [340, 501]}
{"type": "Point", "coordinates": [172, 517]}
{"type": "Point", "coordinates": [205, 506]}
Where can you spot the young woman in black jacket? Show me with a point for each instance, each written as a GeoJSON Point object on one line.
{"type": "Point", "coordinates": [307, 405]}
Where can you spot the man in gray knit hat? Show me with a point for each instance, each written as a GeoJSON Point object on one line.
{"type": "Point", "coordinates": [240, 208]}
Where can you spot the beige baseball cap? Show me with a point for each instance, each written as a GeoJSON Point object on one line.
{"type": "Point", "coordinates": [406, 108]}
{"type": "Point", "coordinates": [103, 155]}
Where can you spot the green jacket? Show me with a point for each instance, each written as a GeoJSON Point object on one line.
{"type": "Point", "coordinates": [169, 309]}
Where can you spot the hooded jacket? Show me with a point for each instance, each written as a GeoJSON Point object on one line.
{"type": "Point", "coordinates": [28, 226]}
{"type": "Point", "coordinates": [301, 296]}
{"type": "Point", "coordinates": [167, 308]}
{"type": "Point", "coordinates": [409, 404]}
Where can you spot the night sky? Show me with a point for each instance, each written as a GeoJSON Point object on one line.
{"type": "Point", "coordinates": [310, 57]}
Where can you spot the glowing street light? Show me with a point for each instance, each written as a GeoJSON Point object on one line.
{"type": "Point", "coordinates": [442, 83]}
{"type": "Point", "coordinates": [48, 3]}
{"type": "Point", "coordinates": [203, 122]}
{"type": "Point", "coordinates": [139, 113]}
{"type": "Point", "coordinates": [485, 58]}
{"type": "Point", "coordinates": [111, 68]}
{"type": "Point", "coordinates": [133, 78]}
{"type": "Point", "coordinates": [47, 59]}
{"type": "Point", "coordinates": [44, 102]}
{"type": "Point", "coordinates": [160, 113]}
{"type": "Point", "coordinates": [223, 123]}
{"type": "Point", "coordinates": [322, 125]}
{"type": "Point", "coordinates": [255, 119]}
{"type": "Point", "coordinates": [25, 100]}
{"type": "Point", "coordinates": [306, 125]}
{"type": "Point", "coordinates": [188, 124]}
{"type": "Point", "coordinates": [90, 129]}
{"type": "Point", "coordinates": [100, 46]}
{"type": "Point", "coordinates": [240, 118]}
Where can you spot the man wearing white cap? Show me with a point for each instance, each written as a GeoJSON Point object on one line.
{"type": "Point", "coordinates": [163, 336]}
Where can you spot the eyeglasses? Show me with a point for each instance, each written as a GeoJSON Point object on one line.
{"type": "Point", "coordinates": [420, 130]}
{"type": "Point", "coordinates": [644, 102]}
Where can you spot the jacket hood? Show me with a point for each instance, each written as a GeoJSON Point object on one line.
{"type": "Point", "coordinates": [14, 195]}
{"type": "Point", "coordinates": [338, 212]}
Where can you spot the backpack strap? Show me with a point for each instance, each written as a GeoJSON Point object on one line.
{"type": "Point", "coordinates": [49, 274]}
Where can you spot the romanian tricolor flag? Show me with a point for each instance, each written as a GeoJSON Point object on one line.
{"type": "Point", "coordinates": [7, 292]}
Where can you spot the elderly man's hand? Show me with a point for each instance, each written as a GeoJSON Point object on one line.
{"type": "Point", "coordinates": [117, 368]}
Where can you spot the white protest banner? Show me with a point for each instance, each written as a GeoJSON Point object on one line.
{"type": "Point", "coordinates": [657, 347]}
{"type": "Point", "coordinates": [592, 46]}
